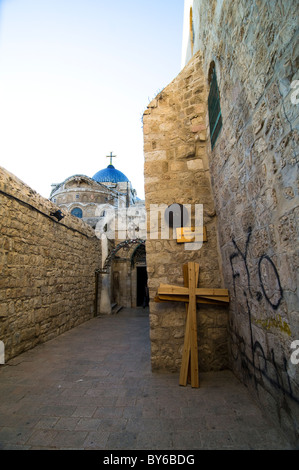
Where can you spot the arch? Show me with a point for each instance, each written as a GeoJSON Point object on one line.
{"type": "Point", "coordinates": [112, 254]}
{"type": "Point", "coordinates": [138, 254]}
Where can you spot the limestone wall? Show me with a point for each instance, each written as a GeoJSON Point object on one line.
{"type": "Point", "coordinates": [176, 171]}
{"type": "Point", "coordinates": [47, 268]}
{"type": "Point", "coordinates": [254, 168]}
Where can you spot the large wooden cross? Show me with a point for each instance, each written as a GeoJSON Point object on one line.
{"type": "Point", "coordinates": [191, 295]}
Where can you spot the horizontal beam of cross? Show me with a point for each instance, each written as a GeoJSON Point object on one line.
{"type": "Point", "coordinates": [181, 298]}
{"type": "Point", "coordinates": [175, 292]}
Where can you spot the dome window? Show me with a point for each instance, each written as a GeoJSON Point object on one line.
{"type": "Point", "coordinates": [77, 212]}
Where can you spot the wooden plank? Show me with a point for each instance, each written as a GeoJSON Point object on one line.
{"type": "Point", "coordinates": [188, 234]}
{"type": "Point", "coordinates": [193, 326]}
{"type": "Point", "coordinates": [218, 299]}
{"type": "Point", "coordinates": [185, 366]}
{"type": "Point", "coordinates": [199, 300]}
{"type": "Point", "coordinates": [186, 284]}
{"type": "Point", "coordinates": [185, 372]}
{"type": "Point", "coordinates": [213, 291]}
{"type": "Point", "coordinates": [179, 290]}
{"type": "Point", "coordinates": [173, 290]}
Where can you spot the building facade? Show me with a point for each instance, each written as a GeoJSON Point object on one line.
{"type": "Point", "coordinates": [224, 133]}
{"type": "Point", "coordinates": [90, 198]}
{"type": "Point", "coordinates": [109, 204]}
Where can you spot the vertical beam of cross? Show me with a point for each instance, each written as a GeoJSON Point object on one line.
{"type": "Point", "coordinates": [190, 351]}
{"type": "Point", "coordinates": [193, 325]}
{"type": "Point", "coordinates": [110, 156]}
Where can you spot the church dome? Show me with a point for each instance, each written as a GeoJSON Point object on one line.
{"type": "Point", "coordinates": [110, 175]}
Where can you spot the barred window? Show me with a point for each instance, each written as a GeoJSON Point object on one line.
{"type": "Point", "coordinates": [215, 118]}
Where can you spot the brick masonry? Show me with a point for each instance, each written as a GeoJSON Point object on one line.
{"type": "Point", "coordinates": [47, 268]}
{"type": "Point", "coordinates": [250, 180]}
{"type": "Point", "coordinates": [254, 169]}
{"type": "Point", "coordinates": [176, 171]}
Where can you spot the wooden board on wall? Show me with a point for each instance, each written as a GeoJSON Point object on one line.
{"type": "Point", "coordinates": [189, 234]}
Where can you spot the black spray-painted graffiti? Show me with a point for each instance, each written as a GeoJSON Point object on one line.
{"type": "Point", "coordinates": [262, 260]}
{"type": "Point", "coordinates": [254, 361]}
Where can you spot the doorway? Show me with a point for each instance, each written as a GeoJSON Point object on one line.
{"type": "Point", "coordinates": [141, 284]}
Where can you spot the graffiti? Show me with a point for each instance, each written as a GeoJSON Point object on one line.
{"type": "Point", "coordinates": [261, 368]}
{"type": "Point", "coordinates": [262, 260]}
{"type": "Point", "coordinates": [258, 366]}
{"type": "Point", "coordinates": [244, 257]}
{"type": "Point", "coordinates": [264, 263]}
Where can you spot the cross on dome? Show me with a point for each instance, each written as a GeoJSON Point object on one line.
{"type": "Point", "coordinates": [110, 156]}
{"type": "Point", "coordinates": [110, 174]}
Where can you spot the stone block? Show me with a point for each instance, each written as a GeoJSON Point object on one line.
{"type": "Point", "coordinates": [198, 128]}
{"type": "Point", "coordinates": [185, 151]}
{"type": "Point", "coordinates": [194, 165]}
{"type": "Point", "coordinates": [178, 166]}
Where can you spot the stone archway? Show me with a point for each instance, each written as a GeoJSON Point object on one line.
{"type": "Point", "coordinates": [124, 273]}
{"type": "Point", "coordinates": [126, 244]}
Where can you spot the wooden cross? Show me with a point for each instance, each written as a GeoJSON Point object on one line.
{"type": "Point", "coordinates": [110, 156]}
{"type": "Point", "coordinates": [191, 294]}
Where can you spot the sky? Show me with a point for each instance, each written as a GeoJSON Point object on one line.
{"type": "Point", "coordinates": [75, 79]}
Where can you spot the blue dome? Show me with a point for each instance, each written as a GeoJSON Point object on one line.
{"type": "Point", "coordinates": [110, 175]}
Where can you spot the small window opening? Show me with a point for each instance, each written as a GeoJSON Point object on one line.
{"type": "Point", "coordinates": [77, 212]}
{"type": "Point", "coordinates": [215, 118]}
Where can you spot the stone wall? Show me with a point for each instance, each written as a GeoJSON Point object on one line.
{"type": "Point", "coordinates": [176, 171]}
{"type": "Point", "coordinates": [47, 268]}
{"type": "Point", "coordinates": [254, 169]}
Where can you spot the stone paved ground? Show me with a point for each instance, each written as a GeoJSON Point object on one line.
{"type": "Point", "coordinates": [92, 388]}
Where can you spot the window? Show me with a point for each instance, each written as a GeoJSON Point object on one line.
{"type": "Point", "coordinates": [215, 118]}
{"type": "Point", "coordinates": [77, 212]}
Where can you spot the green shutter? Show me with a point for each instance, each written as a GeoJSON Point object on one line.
{"type": "Point", "coordinates": [215, 118]}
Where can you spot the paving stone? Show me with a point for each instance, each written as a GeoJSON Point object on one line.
{"type": "Point", "coordinates": [96, 440]}
{"type": "Point", "coordinates": [68, 424]}
{"type": "Point", "coordinates": [69, 439]}
{"type": "Point", "coordinates": [88, 424]}
{"type": "Point", "coordinates": [122, 440]}
{"type": "Point", "coordinates": [147, 411]}
{"type": "Point", "coordinates": [42, 437]}
{"type": "Point", "coordinates": [84, 411]}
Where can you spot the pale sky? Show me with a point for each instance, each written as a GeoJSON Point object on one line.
{"type": "Point", "coordinates": [75, 79]}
